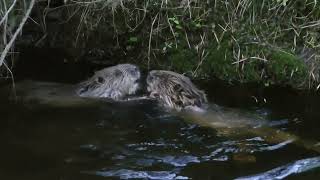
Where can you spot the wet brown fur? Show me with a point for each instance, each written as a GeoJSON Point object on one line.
{"type": "Point", "coordinates": [174, 90]}
{"type": "Point", "coordinates": [112, 82]}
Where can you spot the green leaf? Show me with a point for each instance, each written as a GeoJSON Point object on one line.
{"type": "Point", "coordinates": [198, 25]}
{"type": "Point", "coordinates": [179, 27]}
{"type": "Point", "coordinates": [133, 39]}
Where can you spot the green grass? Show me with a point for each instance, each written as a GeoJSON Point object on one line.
{"type": "Point", "coordinates": [240, 40]}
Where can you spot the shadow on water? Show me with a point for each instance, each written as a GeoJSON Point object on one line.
{"type": "Point", "coordinates": [139, 140]}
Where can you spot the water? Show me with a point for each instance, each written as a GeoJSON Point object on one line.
{"type": "Point", "coordinates": [139, 140]}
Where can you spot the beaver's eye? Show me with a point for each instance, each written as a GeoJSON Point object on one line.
{"type": "Point", "coordinates": [100, 80]}
{"type": "Point", "coordinates": [150, 78]}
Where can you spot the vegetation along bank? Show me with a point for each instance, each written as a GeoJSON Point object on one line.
{"type": "Point", "coordinates": [261, 41]}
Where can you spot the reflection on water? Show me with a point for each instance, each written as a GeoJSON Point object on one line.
{"type": "Point", "coordinates": [286, 170]}
{"type": "Point", "coordinates": [139, 140]}
{"type": "Point", "coordinates": [129, 174]}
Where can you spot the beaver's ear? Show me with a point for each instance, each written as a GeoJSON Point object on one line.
{"type": "Point", "coordinates": [117, 73]}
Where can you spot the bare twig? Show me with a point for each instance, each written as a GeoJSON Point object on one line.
{"type": "Point", "coordinates": [23, 21]}
{"type": "Point", "coordinates": [12, 80]}
{"type": "Point", "coordinates": [8, 11]}
{"type": "Point", "coordinates": [150, 38]}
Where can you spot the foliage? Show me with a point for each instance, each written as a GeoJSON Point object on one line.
{"type": "Point", "coordinates": [240, 40]}
{"type": "Point", "coordinates": [285, 67]}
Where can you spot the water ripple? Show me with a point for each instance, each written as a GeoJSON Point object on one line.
{"type": "Point", "coordinates": [178, 161]}
{"type": "Point", "coordinates": [131, 174]}
{"type": "Point", "coordinates": [286, 170]}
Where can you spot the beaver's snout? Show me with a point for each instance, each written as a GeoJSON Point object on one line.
{"type": "Point", "coordinates": [114, 82]}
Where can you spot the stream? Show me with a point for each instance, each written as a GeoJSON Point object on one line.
{"type": "Point", "coordinates": [140, 140]}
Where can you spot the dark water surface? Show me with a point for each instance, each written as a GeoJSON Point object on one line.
{"type": "Point", "coordinates": [139, 140]}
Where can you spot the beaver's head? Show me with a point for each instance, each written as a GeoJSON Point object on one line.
{"type": "Point", "coordinates": [113, 82]}
{"type": "Point", "coordinates": [174, 90]}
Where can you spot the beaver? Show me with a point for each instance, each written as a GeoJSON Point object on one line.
{"type": "Point", "coordinates": [174, 90]}
{"type": "Point", "coordinates": [113, 82]}
{"type": "Point", "coordinates": [177, 92]}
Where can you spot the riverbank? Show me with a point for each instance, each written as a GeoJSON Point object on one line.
{"type": "Point", "coordinates": [243, 41]}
